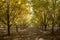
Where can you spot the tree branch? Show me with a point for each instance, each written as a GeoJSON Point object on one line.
{"type": "Point", "coordinates": [3, 21]}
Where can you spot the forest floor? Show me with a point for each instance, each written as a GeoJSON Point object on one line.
{"type": "Point", "coordinates": [31, 34]}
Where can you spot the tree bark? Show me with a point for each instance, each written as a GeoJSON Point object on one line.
{"type": "Point", "coordinates": [8, 24]}
{"type": "Point", "coordinates": [45, 25]}
{"type": "Point", "coordinates": [53, 21]}
{"type": "Point", "coordinates": [8, 17]}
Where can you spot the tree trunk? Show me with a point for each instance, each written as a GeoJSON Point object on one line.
{"type": "Point", "coordinates": [45, 25]}
{"type": "Point", "coordinates": [8, 17]}
{"type": "Point", "coordinates": [59, 26]}
{"type": "Point", "coordinates": [8, 22]}
{"type": "Point", "coordinates": [8, 29]}
{"type": "Point", "coordinates": [16, 28]}
{"type": "Point", "coordinates": [53, 21]}
{"type": "Point", "coordinates": [52, 28]}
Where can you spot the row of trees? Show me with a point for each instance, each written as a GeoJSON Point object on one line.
{"type": "Point", "coordinates": [17, 12]}
{"type": "Point", "coordinates": [13, 12]}
{"type": "Point", "coordinates": [47, 12]}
